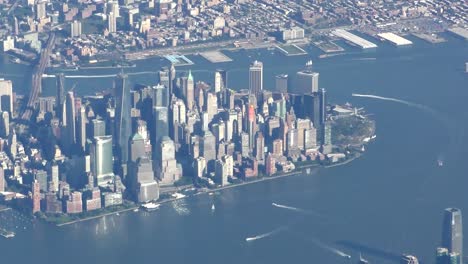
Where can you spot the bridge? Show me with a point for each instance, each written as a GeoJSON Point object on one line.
{"type": "Point", "coordinates": [36, 84]}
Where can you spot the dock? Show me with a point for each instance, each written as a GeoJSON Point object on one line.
{"type": "Point", "coordinates": [353, 39]}
{"type": "Point", "coordinates": [459, 32]}
{"type": "Point", "coordinates": [179, 60]}
{"type": "Point", "coordinates": [431, 38]}
{"type": "Point", "coordinates": [215, 56]}
{"type": "Point", "coordinates": [394, 39]}
{"type": "Point", "coordinates": [291, 50]}
{"type": "Point", "coordinates": [328, 46]}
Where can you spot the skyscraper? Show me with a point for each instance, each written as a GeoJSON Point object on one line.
{"type": "Point", "coordinates": [168, 170]}
{"type": "Point", "coordinates": [220, 80]}
{"type": "Point", "coordinates": [123, 121]}
{"type": "Point", "coordinates": [145, 187]}
{"type": "Point", "coordinates": [60, 96]}
{"type": "Point", "coordinates": [81, 135]}
{"type": "Point", "coordinates": [36, 197]}
{"type": "Point", "coordinates": [2, 180]}
{"type": "Point", "coordinates": [6, 95]}
{"type": "Point", "coordinates": [161, 123]}
{"type": "Point", "coordinates": [111, 22]}
{"type": "Point", "coordinates": [256, 78]}
{"type": "Point", "coordinates": [190, 91]}
{"type": "Point", "coordinates": [281, 83]}
{"type": "Point", "coordinates": [75, 29]}
{"type": "Point", "coordinates": [306, 82]}
{"type": "Point", "coordinates": [102, 160]}
{"type": "Point", "coordinates": [452, 231]}
{"type": "Point", "coordinates": [323, 105]}
{"type": "Point", "coordinates": [70, 121]}
{"type": "Point", "coordinates": [98, 128]}
{"type": "Point", "coordinates": [5, 125]}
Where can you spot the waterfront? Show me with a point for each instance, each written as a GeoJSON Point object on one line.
{"type": "Point", "coordinates": [387, 202]}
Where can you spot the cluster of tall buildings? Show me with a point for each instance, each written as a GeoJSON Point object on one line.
{"type": "Point", "coordinates": [95, 151]}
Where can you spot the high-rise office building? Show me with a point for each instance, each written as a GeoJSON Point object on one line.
{"type": "Point", "coordinates": [306, 82]}
{"type": "Point", "coordinates": [36, 197]}
{"type": "Point", "coordinates": [323, 105]}
{"type": "Point", "coordinates": [60, 96]}
{"type": "Point", "coordinates": [111, 22]}
{"type": "Point", "coordinates": [137, 147]}
{"type": "Point", "coordinates": [102, 160]}
{"type": "Point", "coordinates": [122, 120]}
{"type": "Point", "coordinates": [5, 125]}
{"type": "Point", "coordinates": [113, 7]}
{"type": "Point", "coordinates": [81, 125]}
{"type": "Point", "coordinates": [452, 231]}
{"type": "Point", "coordinates": [282, 83]}
{"type": "Point", "coordinates": [190, 91]}
{"type": "Point", "coordinates": [69, 121]}
{"type": "Point", "coordinates": [2, 180]}
{"type": "Point", "coordinates": [256, 78]}
{"type": "Point", "coordinates": [98, 128]}
{"type": "Point", "coordinates": [211, 105]}
{"type": "Point", "coordinates": [41, 9]}
{"type": "Point", "coordinates": [220, 80]}
{"type": "Point", "coordinates": [208, 146]}
{"type": "Point", "coordinates": [168, 170]}
{"type": "Point", "coordinates": [6, 95]}
{"type": "Point", "coordinates": [75, 29]}
{"type": "Point", "coordinates": [259, 150]}
{"type": "Point", "coordinates": [146, 188]}
{"type": "Point", "coordinates": [161, 123]}
{"type": "Point", "coordinates": [160, 95]}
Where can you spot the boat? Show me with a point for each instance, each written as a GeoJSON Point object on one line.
{"type": "Point", "coordinates": [150, 206]}
{"type": "Point", "coordinates": [440, 162]}
{"type": "Point", "coordinates": [213, 208]}
{"type": "Point", "coordinates": [178, 195]}
{"type": "Point", "coordinates": [363, 148]}
{"type": "Point", "coordinates": [308, 170]}
{"type": "Point", "coordinates": [7, 234]}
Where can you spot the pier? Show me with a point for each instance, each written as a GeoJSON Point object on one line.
{"type": "Point", "coordinates": [394, 39]}
{"type": "Point", "coordinates": [215, 56]}
{"type": "Point", "coordinates": [355, 40]}
{"type": "Point", "coordinates": [459, 32]}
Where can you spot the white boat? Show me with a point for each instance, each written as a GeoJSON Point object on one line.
{"type": "Point", "coordinates": [213, 208]}
{"type": "Point", "coordinates": [440, 163]}
{"type": "Point", "coordinates": [150, 206]}
{"type": "Point", "coordinates": [178, 195]}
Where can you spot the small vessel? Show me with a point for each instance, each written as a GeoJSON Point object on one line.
{"type": "Point", "coordinates": [363, 148]}
{"type": "Point", "coordinates": [150, 206]}
{"type": "Point", "coordinates": [213, 208]}
{"type": "Point", "coordinates": [7, 234]}
{"type": "Point", "coordinates": [250, 239]}
{"type": "Point", "coordinates": [178, 195]}
{"type": "Point", "coordinates": [308, 170]}
{"type": "Point", "coordinates": [440, 162]}
{"type": "Point", "coordinates": [135, 210]}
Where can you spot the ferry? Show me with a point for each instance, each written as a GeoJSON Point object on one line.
{"type": "Point", "coordinates": [150, 206]}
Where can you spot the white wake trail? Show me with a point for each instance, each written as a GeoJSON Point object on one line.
{"type": "Point", "coordinates": [423, 107]}
{"type": "Point", "coordinates": [323, 246]}
{"type": "Point", "coordinates": [282, 206]}
{"type": "Point", "coordinates": [271, 233]}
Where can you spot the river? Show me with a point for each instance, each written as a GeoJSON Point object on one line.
{"type": "Point", "coordinates": [388, 202]}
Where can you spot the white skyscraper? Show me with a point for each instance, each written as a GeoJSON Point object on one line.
{"type": "Point", "coordinates": [111, 22]}
{"type": "Point", "coordinates": [75, 29]}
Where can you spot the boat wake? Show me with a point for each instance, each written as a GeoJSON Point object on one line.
{"type": "Point", "coordinates": [282, 206]}
{"type": "Point", "coordinates": [322, 245]}
{"type": "Point", "coordinates": [420, 106]}
{"type": "Point", "coordinates": [271, 233]}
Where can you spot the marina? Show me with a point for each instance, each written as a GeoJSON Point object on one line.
{"type": "Point", "coordinates": [394, 39]}
{"type": "Point", "coordinates": [215, 56]}
{"type": "Point", "coordinates": [353, 39]}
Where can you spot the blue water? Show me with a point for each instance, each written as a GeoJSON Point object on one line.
{"type": "Point", "coordinates": [386, 203]}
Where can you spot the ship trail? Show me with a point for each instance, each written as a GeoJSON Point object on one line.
{"type": "Point", "coordinates": [323, 245]}
{"type": "Point", "coordinates": [265, 235]}
{"type": "Point", "coordinates": [303, 211]}
{"type": "Point", "coordinates": [420, 106]}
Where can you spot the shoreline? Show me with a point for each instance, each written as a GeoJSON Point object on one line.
{"type": "Point", "coordinates": [299, 171]}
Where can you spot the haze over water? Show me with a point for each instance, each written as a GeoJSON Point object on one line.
{"type": "Point", "coordinates": [388, 202]}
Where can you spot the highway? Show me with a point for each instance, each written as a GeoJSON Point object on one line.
{"type": "Point", "coordinates": [36, 84]}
